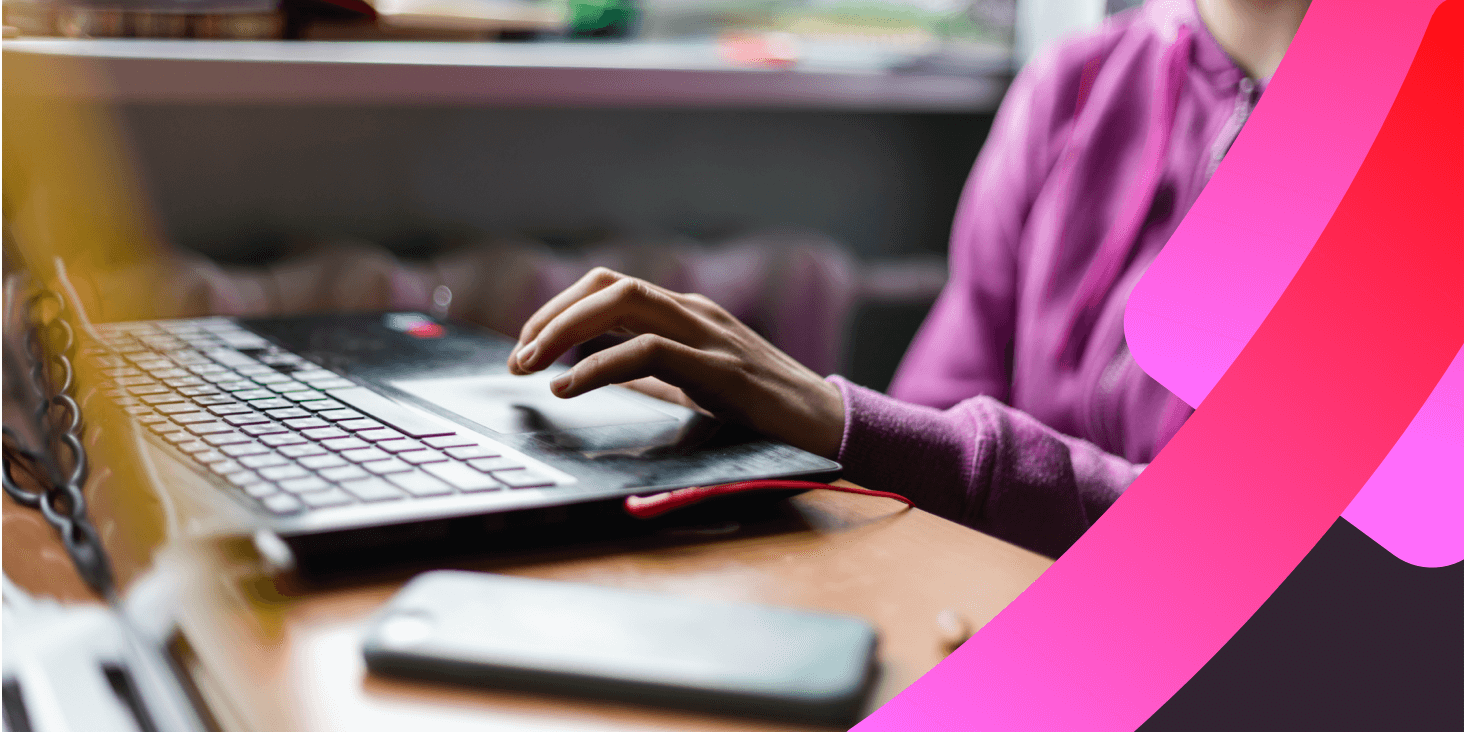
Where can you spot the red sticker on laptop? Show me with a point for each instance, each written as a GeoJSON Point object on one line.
{"type": "Point", "coordinates": [414, 325]}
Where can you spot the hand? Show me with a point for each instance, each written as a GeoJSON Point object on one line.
{"type": "Point", "coordinates": [686, 341]}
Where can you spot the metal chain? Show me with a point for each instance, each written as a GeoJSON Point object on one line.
{"type": "Point", "coordinates": [52, 379]}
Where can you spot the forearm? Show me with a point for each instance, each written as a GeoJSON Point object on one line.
{"type": "Point", "coordinates": [982, 464]}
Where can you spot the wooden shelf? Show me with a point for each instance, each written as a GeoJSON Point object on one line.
{"type": "Point", "coordinates": [542, 74]}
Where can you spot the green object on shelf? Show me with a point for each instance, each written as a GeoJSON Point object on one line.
{"type": "Point", "coordinates": [601, 18]}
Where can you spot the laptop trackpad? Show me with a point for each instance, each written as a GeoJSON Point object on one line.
{"type": "Point", "coordinates": [516, 404]}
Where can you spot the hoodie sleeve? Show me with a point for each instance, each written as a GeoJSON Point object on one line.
{"type": "Point", "coordinates": [963, 348]}
{"type": "Point", "coordinates": [982, 464]}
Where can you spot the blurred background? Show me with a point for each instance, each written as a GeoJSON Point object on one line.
{"type": "Point", "coordinates": [797, 160]}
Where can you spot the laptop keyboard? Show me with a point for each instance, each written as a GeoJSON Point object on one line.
{"type": "Point", "coordinates": [287, 433]}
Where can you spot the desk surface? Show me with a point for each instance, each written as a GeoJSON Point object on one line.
{"type": "Point", "coordinates": [277, 655]}
{"type": "Point", "coordinates": [552, 74]}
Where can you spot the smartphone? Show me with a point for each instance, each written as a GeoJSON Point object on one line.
{"type": "Point", "coordinates": [560, 637]}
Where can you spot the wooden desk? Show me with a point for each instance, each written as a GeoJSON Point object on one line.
{"type": "Point", "coordinates": [275, 656]}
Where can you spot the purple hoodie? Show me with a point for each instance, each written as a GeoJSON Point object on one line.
{"type": "Point", "coordinates": [1018, 409]}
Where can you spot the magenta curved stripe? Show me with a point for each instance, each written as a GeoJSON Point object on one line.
{"type": "Point", "coordinates": [1312, 399]}
{"type": "Point", "coordinates": [1245, 237]}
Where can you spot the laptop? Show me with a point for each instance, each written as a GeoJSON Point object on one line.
{"type": "Point", "coordinates": [339, 432]}
{"type": "Point", "coordinates": [332, 432]}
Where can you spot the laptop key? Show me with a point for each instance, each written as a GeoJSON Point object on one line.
{"type": "Point", "coordinates": [318, 462]}
{"type": "Point", "coordinates": [305, 423]}
{"type": "Point", "coordinates": [282, 504]}
{"type": "Point", "coordinates": [267, 428]}
{"type": "Point", "coordinates": [321, 405]}
{"type": "Point", "coordinates": [194, 418]}
{"type": "Point", "coordinates": [226, 438]}
{"type": "Point", "coordinates": [313, 375]}
{"type": "Point", "coordinates": [247, 451]}
{"type": "Point", "coordinates": [224, 467]}
{"type": "Point", "coordinates": [324, 433]}
{"type": "Point", "coordinates": [420, 484]}
{"type": "Point", "coordinates": [208, 457]}
{"type": "Point", "coordinates": [400, 446]}
{"type": "Point", "coordinates": [179, 436]}
{"type": "Point", "coordinates": [230, 408]}
{"type": "Point", "coordinates": [526, 478]}
{"type": "Point", "coordinates": [243, 478]}
{"type": "Point", "coordinates": [212, 400]}
{"type": "Point", "coordinates": [356, 425]}
{"type": "Point", "coordinates": [423, 456]}
{"type": "Point", "coordinates": [283, 472]}
{"type": "Point", "coordinates": [251, 394]}
{"type": "Point", "coordinates": [343, 473]}
{"type": "Point", "coordinates": [364, 455]}
{"type": "Point", "coordinates": [303, 395]}
{"type": "Point", "coordinates": [193, 446]}
{"type": "Point", "coordinates": [450, 441]}
{"type": "Point", "coordinates": [264, 459]}
{"type": "Point", "coordinates": [259, 489]}
{"type": "Point", "coordinates": [266, 404]}
{"type": "Point", "coordinates": [161, 398]}
{"type": "Point", "coordinates": [385, 434]}
{"type": "Point", "coordinates": [209, 428]}
{"type": "Point", "coordinates": [495, 463]}
{"type": "Point", "coordinates": [289, 413]}
{"type": "Point", "coordinates": [461, 477]}
{"type": "Point", "coordinates": [375, 489]}
{"type": "Point", "coordinates": [176, 408]}
{"type": "Point", "coordinates": [281, 439]}
{"type": "Point", "coordinates": [344, 443]}
{"type": "Point", "coordinates": [328, 498]}
{"type": "Point", "coordinates": [468, 452]}
{"type": "Point", "coordinates": [245, 418]}
{"type": "Point", "coordinates": [303, 485]}
{"type": "Point", "coordinates": [303, 449]}
{"type": "Point", "coordinates": [337, 415]}
{"type": "Point", "coordinates": [383, 467]}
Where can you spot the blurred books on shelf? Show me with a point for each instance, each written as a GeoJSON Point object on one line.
{"type": "Point", "coordinates": [286, 19]}
{"type": "Point", "coordinates": [882, 26]}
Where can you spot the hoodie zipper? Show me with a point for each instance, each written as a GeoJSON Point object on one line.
{"type": "Point", "coordinates": [1245, 104]}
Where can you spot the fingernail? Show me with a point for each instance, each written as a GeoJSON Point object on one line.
{"type": "Point", "coordinates": [526, 356]}
{"type": "Point", "coordinates": [562, 383]}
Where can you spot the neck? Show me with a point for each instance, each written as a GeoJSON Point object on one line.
{"type": "Point", "coordinates": [1256, 33]}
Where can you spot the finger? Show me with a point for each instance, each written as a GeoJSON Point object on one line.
{"type": "Point", "coordinates": [629, 304]}
{"type": "Point", "coordinates": [645, 355]}
{"type": "Point", "coordinates": [593, 281]}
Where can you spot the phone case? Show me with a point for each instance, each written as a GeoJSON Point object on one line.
{"type": "Point", "coordinates": [537, 635]}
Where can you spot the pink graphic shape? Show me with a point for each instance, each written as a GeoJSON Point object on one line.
{"type": "Point", "coordinates": [1282, 444]}
{"type": "Point", "coordinates": [1247, 234]}
{"type": "Point", "coordinates": [1414, 504]}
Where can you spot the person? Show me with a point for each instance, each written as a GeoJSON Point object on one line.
{"type": "Point", "coordinates": [1017, 410]}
